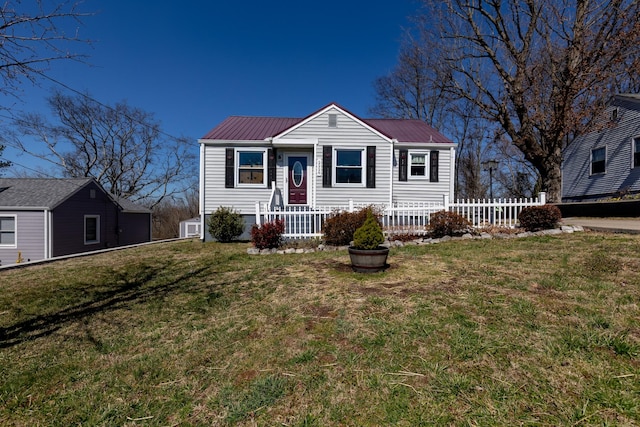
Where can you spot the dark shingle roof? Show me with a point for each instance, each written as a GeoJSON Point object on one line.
{"type": "Point", "coordinates": [38, 192]}
{"type": "Point", "coordinates": [49, 192]}
{"type": "Point", "coordinates": [245, 128]}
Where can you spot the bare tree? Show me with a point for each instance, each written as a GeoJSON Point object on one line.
{"type": "Point", "coordinates": [542, 69]}
{"type": "Point", "coordinates": [3, 163]}
{"type": "Point", "coordinates": [122, 147]}
{"type": "Point", "coordinates": [32, 35]}
{"type": "Point", "coordinates": [168, 214]}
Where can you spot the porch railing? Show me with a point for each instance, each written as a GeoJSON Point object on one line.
{"type": "Point", "coordinates": [397, 218]}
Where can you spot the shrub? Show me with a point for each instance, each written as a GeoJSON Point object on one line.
{"type": "Point", "coordinates": [268, 235]}
{"type": "Point", "coordinates": [225, 224]}
{"type": "Point", "coordinates": [445, 223]}
{"type": "Point", "coordinates": [341, 226]}
{"type": "Point", "coordinates": [369, 235]}
{"type": "Point", "coordinates": [534, 218]}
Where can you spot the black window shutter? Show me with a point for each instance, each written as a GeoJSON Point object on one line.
{"type": "Point", "coordinates": [327, 164]}
{"type": "Point", "coordinates": [229, 169]}
{"type": "Point", "coordinates": [433, 166]}
{"type": "Point", "coordinates": [402, 169]}
{"type": "Point", "coordinates": [271, 166]}
{"type": "Point", "coordinates": [371, 166]}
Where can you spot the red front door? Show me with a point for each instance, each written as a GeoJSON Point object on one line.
{"type": "Point", "coordinates": [297, 180]}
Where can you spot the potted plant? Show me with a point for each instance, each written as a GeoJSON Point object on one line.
{"type": "Point", "coordinates": [367, 256]}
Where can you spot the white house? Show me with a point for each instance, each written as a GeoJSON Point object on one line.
{"type": "Point", "coordinates": [326, 159]}
{"type": "Point", "coordinates": [605, 163]}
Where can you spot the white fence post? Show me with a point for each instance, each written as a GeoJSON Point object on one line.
{"type": "Point", "coordinates": [258, 213]}
{"type": "Point", "coordinates": [542, 196]}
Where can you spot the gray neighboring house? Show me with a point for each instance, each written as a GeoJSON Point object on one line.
{"type": "Point", "coordinates": [605, 163]}
{"type": "Point", "coordinates": [42, 218]}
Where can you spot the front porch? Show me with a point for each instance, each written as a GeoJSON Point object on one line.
{"type": "Point", "coordinates": [397, 218]}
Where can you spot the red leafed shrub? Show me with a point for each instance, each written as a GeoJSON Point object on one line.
{"type": "Point", "coordinates": [445, 223]}
{"type": "Point", "coordinates": [534, 218]}
{"type": "Point", "coordinates": [341, 226]}
{"type": "Point", "coordinates": [268, 235]}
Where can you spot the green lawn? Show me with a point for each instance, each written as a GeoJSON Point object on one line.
{"type": "Point", "coordinates": [533, 331]}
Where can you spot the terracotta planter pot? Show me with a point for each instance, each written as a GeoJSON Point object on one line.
{"type": "Point", "coordinates": [368, 260]}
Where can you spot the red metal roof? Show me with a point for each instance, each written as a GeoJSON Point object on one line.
{"type": "Point", "coordinates": [407, 130]}
{"type": "Point", "coordinates": [243, 128]}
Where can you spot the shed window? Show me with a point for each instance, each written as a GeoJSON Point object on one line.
{"type": "Point", "coordinates": [598, 158]}
{"type": "Point", "coordinates": [349, 166]}
{"type": "Point", "coordinates": [636, 152]}
{"type": "Point", "coordinates": [91, 229]}
{"type": "Point", "coordinates": [333, 120]}
{"type": "Point", "coordinates": [8, 231]}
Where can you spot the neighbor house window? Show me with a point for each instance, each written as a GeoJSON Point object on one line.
{"type": "Point", "coordinates": [636, 152]}
{"type": "Point", "coordinates": [349, 166]}
{"type": "Point", "coordinates": [8, 231]}
{"type": "Point", "coordinates": [251, 167]}
{"type": "Point", "coordinates": [91, 229]}
{"type": "Point", "coordinates": [418, 165]}
{"type": "Point", "coordinates": [598, 157]}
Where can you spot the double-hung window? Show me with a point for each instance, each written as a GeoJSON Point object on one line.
{"type": "Point", "coordinates": [251, 167]}
{"type": "Point", "coordinates": [418, 165]}
{"type": "Point", "coordinates": [91, 229]}
{"type": "Point", "coordinates": [349, 164]}
{"type": "Point", "coordinates": [8, 230]}
{"type": "Point", "coordinates": [598, 160]}
{"type": "Point", "coordinates": [636, 152]}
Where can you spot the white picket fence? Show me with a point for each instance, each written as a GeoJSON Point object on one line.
{"type": "Point", "coordinates": [407, 217]}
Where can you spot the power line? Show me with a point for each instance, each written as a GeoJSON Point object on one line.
{"type": "Point", "coordinates": [90, 98]}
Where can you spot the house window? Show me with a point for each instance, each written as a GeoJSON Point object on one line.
{"type": "Point", "coordinates": [251, 167]}
{"type": "Point", "coordinates": [636, 152]}
{"type": "Point", "coordinates": [598, 157]}
{"type": "Point", "coordinates": [418, 165]}
{"type": "Point", "coordinates": [8, 231]}
{"type": "Point", "coordinates": [91, 229]}
{"type": "Point", "coordinates": [348, 166]}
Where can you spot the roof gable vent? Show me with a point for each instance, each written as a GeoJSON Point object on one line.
{"type": "Point", "coordinates": [333, 120]}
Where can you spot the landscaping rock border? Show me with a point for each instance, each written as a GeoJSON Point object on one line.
{"type": "Point", "coordinates": [426, 240]}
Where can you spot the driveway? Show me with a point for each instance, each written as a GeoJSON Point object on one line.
{"type": "Point", "coordinates": [613, 225]}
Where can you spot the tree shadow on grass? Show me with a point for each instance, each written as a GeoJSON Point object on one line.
{"type": "Point", "coordinates": [132, 289]}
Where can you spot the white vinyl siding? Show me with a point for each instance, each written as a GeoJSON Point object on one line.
{"type": "Point", "coordinates": [423, 190]}
{"type": "Point", "coordinates": [349, 134]}
{"type": "Point", "coordinates": [215, 194]}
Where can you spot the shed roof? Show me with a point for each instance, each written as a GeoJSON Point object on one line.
{"type": "Point", "coordinates": [249, 128]}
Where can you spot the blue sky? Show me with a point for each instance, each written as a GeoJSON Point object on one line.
{"type": "Point", "coordinates": [194, 63]}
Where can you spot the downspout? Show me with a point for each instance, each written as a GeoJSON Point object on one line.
{"type": "Point", "coordinates": [47, 238]}
{"type": "Point", "coordinates": [316, 171]}
{"type": "Point", "coordinates": [393, 153]}
{"type": "Point", "coordinates": [452, 175]}
{"type": "Point", "coordinates": [201, 191]}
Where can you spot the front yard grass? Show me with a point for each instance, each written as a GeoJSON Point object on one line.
{"type": "Point", "coordinates": [531, 331]}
